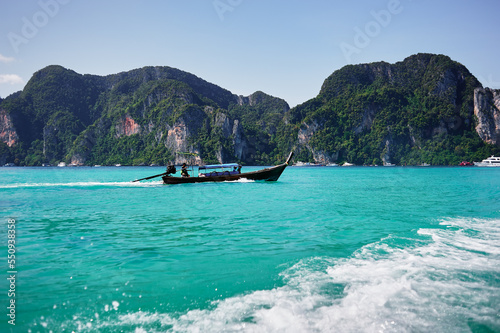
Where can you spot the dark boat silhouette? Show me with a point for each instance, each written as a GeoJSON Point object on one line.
{"type": "Point", "coordinates": [267, 174]}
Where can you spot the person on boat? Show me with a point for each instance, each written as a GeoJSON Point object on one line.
{"type": "Point", "coordinates": [184, 170]}
{"type": "Point", "coordinates": [170, 169]}
{"type": "Point", "coordinates": [239, 168]}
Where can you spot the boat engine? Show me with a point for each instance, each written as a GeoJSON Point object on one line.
{"type": "Point", "coordinates": [171, 169]}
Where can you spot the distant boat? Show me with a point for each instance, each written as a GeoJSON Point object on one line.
{"type": "Point", "coordinates": [389, 164]}
{"type": "Point", "coordinates": [9, 165]}
{"type": "Point", "coordinates": [332, 165]}
{"type": "Point", "coordinates": [308, 164]}
{"type": "Point", "coordinates": [61, 164]}
{"type": "Point", "coordinates": [425, 164]}
{"type": "Point", "coordinates": [347, 164]}
{"type": "Point", "coordinates": [465, 163]}
{"type": "Point", "coordinates": [97, 166]}
{"type": "Point", "coordinates": [491, 161]}
{"type": "Point", "coordinates": [118, 165]}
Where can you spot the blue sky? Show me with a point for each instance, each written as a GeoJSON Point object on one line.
{"type": "Point", "coordinates": [286, 48]}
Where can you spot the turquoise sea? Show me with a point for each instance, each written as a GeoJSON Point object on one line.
{"type": "Point", "coordinates": [357, 249]}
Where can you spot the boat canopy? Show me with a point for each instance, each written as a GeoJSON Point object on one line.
{"type": "Point", "coordinates": [219, 166]}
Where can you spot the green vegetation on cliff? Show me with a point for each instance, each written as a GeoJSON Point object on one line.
{"type": "Point", "coordinates": [420, 110]}
{"type": "Point", "coordinates": [139, 117]}
{"type": "Point", "coordinates": [417, 111]}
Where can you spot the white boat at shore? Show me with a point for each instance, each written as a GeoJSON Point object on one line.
{"type": "Point", "coordinates": [491, 161]}
{"type": "Point", "coordinates": [307, 164]}
{"type": "Point", "coordinates": [347, 164]}
{"type": "Point", "coordinates": [61, 164]}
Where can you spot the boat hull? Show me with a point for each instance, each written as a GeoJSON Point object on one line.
{"type": "Point", "coordinates": [484, 164]}
{"type": "Point", "coordinates": [268, 174]}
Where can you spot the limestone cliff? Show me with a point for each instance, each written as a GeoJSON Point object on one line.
{"type": "Point", "coordinates": [8, 133]}
{"type": "Point", "coordinates": [487, 112]}
{"type": "Point", "coordinates": [127, 127]}
{"type": "Point", "coordinates": [418, 110]}
{"type": "Point", "coordinates": [422, 109]}
{"type": "Point", "coordinates": [147, 115]}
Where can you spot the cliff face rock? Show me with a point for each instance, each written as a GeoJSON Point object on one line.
{"type": "Point", "coordinates": [366, 120]}
{"type": "Point", "coordinates": [239, 141]}
{"type": "Point", "coordinates": [394, 113]}
{"type": "Point", "coordinates": [127, 127]}
{"type": "Point", "coordinates": [177, 140]}
{"type": "Point", "coordinates": [487, 112]}
{"type": "Point", "coordinates": [324, 157]}
{"type": "Point", "coordinates": [224, 123]}
{"type": "Point", "coordinates": [261, 99]}
{"type": "Point", "coordinates": [232, 129]}
{"type": "Point", "coordinates": [306, 132]}
{"type": "Point", "coordinates": [422, 109]}
{"type": "Point", "coordinates": [8, 133]}
{"type": "Point", "coordinates": [86, 141]}
{"type": "Point", "coordinates": [147, 115]}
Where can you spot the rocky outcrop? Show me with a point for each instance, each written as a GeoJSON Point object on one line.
{"type": "Point", "coordinates": [232, 129]}
{"type": "Point", "coordinates": [8, 133]}
{"type": "Point", "coordinates": [369, 113]}
{"type": "Point", "coordinates": [487, 112]}
{"type": "Point", "coordinates": [324, 157]}
{"type": "Point", "coordinates": [306, 132]}
{"type": "Point", "coordinates": [85, 144]}
{"type": "Point", "coordinates": [386, 153]}
{"type": "Point", "coordinates": [224, 123]}
{"type": "Point", "coordinates": [86, 141]}
{"type": "Point", "coordinates": [127, 127]}
{"type": "Point", "coordinates": [261, 100]}
{"type": "Point", "coordinates": [367, 120]}
{"type": "Point", "coordinates": [239, 141]}
{"type": "Point", "coordinates": [393, 113]}
{"type": "Point", "coordinates": [177, 137]}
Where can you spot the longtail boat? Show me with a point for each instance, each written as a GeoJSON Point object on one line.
{"type": "Point", "coordinates": [222, 173]}
{"type": "Point", "coordinates": [210, 173]}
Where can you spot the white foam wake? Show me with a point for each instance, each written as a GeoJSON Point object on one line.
{"type": "Point", "coordinates": [241, 180]}
{"type": "Point", "coordinates": [83, 184]}
{"type": "Point", "coordinates": [442, 280]}
{"type": "Point", "coordinates": [439, 285]}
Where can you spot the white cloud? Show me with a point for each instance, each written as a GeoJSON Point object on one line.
{"type": "Point", "coordinates": [5, 59]}
{"type": "Point", "coordinates": [10, 79]}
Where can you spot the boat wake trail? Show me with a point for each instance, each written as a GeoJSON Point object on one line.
{"type": "Point", "coordinates": [241, 180]}
{"type": "Point", "coordinates": [442, 279]}
{"type": "Point", "coordinates": [84, 184]}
